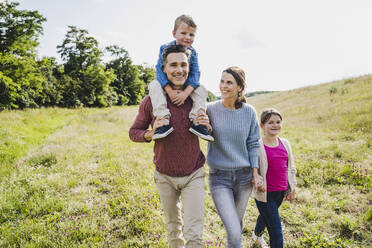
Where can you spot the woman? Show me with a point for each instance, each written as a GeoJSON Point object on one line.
{"type": "Point", "coordinates": [233, 157]}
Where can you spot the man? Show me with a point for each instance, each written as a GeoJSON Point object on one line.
{"type": "Point", "coordinates": [179, 161]}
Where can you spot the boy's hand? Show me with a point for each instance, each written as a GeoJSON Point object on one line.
{"type": "Point", "coordinates": [182, 95]}
{"type": "Point", "coordinates": [180, 98]}
{"type": "Point", "coordinates": [171, 93]}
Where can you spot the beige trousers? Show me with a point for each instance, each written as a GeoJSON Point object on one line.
{"type": "Point", "coordinates": [191, 191]}
{"type": "Point", "coordinates": [159, 101]}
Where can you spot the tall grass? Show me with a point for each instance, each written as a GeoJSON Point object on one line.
{"type": "Point", "coordinates": [72, 178]}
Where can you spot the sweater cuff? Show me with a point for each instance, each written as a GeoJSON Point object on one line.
{"type": "Point", "coordinates": [253, 159]}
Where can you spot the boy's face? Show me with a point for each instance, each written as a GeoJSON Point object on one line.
{"type": "Point", "coordinates": [177, 68]}
{"type": "Point", "coordinates": [184, 35]}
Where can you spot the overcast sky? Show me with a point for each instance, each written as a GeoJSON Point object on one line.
{"type": "Point", "coordinates": [281, 44]}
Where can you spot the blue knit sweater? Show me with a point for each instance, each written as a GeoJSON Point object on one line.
{"type": "Point", "coordinates": [236, 134]}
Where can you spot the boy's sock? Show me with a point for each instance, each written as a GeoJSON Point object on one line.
{"type": "Point", "coordinates": [162, 132]}
{"type": "Point", "coordinates": [201, 131]}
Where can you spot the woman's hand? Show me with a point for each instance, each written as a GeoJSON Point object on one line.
{"type": "Point", "coordinates": [257, 181]}
{"type": "Point", "coordinates": [159, 122]}
{"type": "Point", "coordinates": [291, 196]}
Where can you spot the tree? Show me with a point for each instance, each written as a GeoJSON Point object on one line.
{"type": "Point", "coordinates": [21, 80]}
{"type": "Point", "coordinates": [211, 97]}
{"type": "Point", "coordinates": [86, 80]}
{"type": "Point", "coordinates": [19, 29]}
{"type": "Point", "coordinates": [147, 74]}
{"type": "Point", "coordinates": [128, 84]}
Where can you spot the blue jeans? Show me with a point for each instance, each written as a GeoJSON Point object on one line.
{"type": "Point", "coordinates": [269, 217]}
{"type": "Point", "coordinates": [230, 192]}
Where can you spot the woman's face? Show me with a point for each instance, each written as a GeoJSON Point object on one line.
{"type": "Point", "coordinates": [228, 87]}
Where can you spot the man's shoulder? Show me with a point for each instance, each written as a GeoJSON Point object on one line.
{"type": "Point", "coordinates": [146, 103]}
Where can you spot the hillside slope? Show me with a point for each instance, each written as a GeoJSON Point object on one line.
{"type": "Point", "coordinates": [329, 126]}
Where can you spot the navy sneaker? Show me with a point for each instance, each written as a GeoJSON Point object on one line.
{"type": "Point", "coordinates": [162, 132]}
{"type": "Point", "coordinates": [201, 131]}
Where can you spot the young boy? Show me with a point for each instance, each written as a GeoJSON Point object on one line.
{"type": "Point", "coordinates": [184, 34]}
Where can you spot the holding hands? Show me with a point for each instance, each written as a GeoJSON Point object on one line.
{"type": "Point", "coordinates": [258, 184]}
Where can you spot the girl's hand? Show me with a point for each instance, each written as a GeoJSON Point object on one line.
{"type": "Point", "coordinates": [291, 196]}
{"type": "Point", "coordinates": [257, 182]}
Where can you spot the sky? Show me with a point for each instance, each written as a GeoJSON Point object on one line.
{"type": "Point", "coordinates": [281, 45]}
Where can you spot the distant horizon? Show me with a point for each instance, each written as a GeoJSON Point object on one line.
{"type": "Point", "coordinates": [281, 45]}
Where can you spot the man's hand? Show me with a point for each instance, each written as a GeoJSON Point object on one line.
{"type": "Point", "coordinates": [159, 122]}
{"type": "Point", "coordinates": [203, 119]}
{"type": "Point", "coordinates": [291, 196]}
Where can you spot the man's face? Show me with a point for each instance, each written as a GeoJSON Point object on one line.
{"type": "Point", "coordinates": [177, 68]}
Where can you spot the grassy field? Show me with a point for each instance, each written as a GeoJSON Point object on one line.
{"type": "Point", "coordinates": [72, 178]}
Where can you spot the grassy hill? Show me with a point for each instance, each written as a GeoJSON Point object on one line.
{"type": "Point", "coordinates": [73, 177]}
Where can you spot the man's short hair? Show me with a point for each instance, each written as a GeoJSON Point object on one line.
{"type": "Point", "coordinates": [174, 49]}
{"type": "Point", "coordinates": [186, 19]}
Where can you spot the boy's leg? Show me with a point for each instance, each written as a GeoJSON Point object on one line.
{"type": "Point", "coordinates": [169, 197]}
{"type": "Point", "coordinates": [193, 198]}
{"type": "Point", "coordinates": [160, 109]}
{"type": "Point", "coordinates": [158, 100]}
{"type": "Point", "coordinates": [199, 98]}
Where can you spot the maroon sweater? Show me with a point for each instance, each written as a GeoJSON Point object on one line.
{"type": "Point", "coordinates": [179, 153]}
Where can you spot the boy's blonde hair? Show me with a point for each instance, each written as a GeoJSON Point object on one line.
{"type": "Point", "coordinates": [186, 19]}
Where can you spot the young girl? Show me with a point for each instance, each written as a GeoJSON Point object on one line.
{"type": "Point", "coordinates": [279, 175]}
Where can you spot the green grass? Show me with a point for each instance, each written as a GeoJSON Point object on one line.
{"type": "Point", "coordinates": [72, 178]}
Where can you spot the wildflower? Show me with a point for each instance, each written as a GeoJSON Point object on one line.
{"type": "Point", "coordinates": [370, 202]}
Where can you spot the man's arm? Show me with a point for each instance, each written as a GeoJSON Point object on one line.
{"type": "Point", "coordinates": [139, 132]}
{"type": "Point", "coordinates": [142, 122]}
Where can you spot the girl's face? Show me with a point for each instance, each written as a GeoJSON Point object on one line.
{"type": "Point", "coordinates": [273, 126]}
{"type": "Point", "coordinates": [228, 87]}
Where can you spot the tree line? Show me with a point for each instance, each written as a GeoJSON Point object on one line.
{"type": "Point", "coordinates": [82, 80]}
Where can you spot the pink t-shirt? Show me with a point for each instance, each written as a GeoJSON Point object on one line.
{"type": "Point", "coordinates": [276, 176]}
